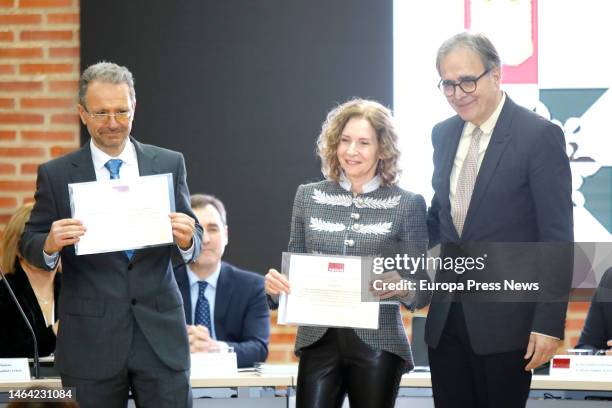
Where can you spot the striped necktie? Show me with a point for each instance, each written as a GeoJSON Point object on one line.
{"type": "Point", "coordinates": [466, 182]}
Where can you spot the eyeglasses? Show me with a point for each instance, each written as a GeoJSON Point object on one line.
{"type": "Point", "coordinates": [467, 85]}
{"type": "Point", "coordinates": [123, 116]}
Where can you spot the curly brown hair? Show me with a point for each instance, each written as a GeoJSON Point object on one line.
{"type": "Point", "coordinates": [381, 120]}
{"type": "Point", "coordinates": [12, 234]}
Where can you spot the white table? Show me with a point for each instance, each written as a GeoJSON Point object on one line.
{"type": "Point", "coordinates": [253, 390]}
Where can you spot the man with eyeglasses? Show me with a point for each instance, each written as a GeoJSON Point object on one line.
{"type": "Point", "coordinates": [122, 323]}
{"type": "Point", "coordinates": [501, 175]}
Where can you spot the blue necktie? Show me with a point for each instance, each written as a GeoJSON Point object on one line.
{"type": "Point", "coordinates": [202, 310]}
{"type": "Point", "coordinates": [113, 166]}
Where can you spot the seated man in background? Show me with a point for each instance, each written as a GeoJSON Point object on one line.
{"type": "Point", "coordinates": [597, 332]}
{"type": "Point", "coordinates": [224, 305]}
{"type": "Point", "coordinates": [37, 291]}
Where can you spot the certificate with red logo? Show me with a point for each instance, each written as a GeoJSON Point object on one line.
{"type": "Point", "coordinates": [123, 214]}
{"type": "Point", "coordinates": [326, 290]}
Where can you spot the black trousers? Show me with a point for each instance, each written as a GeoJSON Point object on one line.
{"type": "Point", "coordinates": [152, 383]}
{"type": "Point", "coordinates": [340, 364]}
{"type": "Point", "coordinates": [460, 378]}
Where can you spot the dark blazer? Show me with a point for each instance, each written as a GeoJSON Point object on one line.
{"type": "Point", "coordinates": [522, 194]}
{"type": "Point", "coordinates": [242, 317]}
{"type": "Point", "coordinates": [598, 326]}
{"type": "Point", "coordinates": [15, 338]}
{"type": "Point", "coordinates": [104, 295]}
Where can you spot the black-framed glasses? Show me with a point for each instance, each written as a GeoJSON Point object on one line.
{"type": "Point", "coordinates": [467, 85]}
{"type": "Point", "coordinates": [122, 116]}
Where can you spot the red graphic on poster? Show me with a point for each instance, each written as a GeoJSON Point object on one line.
{"type": "Point", "coordinates": [512, 25]}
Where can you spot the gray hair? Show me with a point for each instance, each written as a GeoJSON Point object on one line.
{"type": "Point", "coordinates": [202, 200]}
{"type": "Point", "coordinates": [106, 72]}
{"type": "Point", "coordinates": [477, 42]}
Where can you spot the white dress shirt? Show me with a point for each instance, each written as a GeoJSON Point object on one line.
{"type": "Point", "coordinates": [128, 169]}
{"type": "Point", "coordinates": [210, 293]}
{"type": "Point", "coordinates": [464, 144]}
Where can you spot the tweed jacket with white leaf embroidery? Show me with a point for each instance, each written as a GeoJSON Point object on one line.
{"type": "Point", "coordinates": [327, 219]}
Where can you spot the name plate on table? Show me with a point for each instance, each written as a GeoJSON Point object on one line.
{"type": "Point", "coordinates": [14, 369]}
{"type": "Point", "coordinates": [591, 366]}
{"type": "Point", "coordinates": [221, 364]}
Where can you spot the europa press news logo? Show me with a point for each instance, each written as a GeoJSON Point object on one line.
{"type": "Point", "coordinates": [335, 267]}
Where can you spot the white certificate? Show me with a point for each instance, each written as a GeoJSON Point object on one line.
{"type": "Point", "coordinates": [123, 214]}
{"type": "Point", "coordinates": [326, 291]}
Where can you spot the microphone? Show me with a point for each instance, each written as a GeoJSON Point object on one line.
{"type": "Point", "coordinates": [27, 322]}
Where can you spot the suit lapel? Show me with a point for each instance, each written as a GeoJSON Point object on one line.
{"type": "Point", "coordinates": [83, 168]}
{"type": "Point", "coordinates": [454, 135]}
{"type": "Point", "coordinates": [183, 284]}
{"type": "Point", "coordinates": [147, 163]}
{"type": "Point", "coordinates": [222, 298]}
{"type": "Point", "coordinates": [497, 145]}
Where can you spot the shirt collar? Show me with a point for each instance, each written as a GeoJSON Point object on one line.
{"type": "Point", "coordinates": [128, 155]}
{"type": "Point", "coordinates": [489, 124]}
{"type": "Point", "coordinates": [211, 280]}
{"type": "Point", "coordinates": [368, 187]}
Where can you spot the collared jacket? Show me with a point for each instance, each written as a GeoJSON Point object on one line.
{"type": "Point", "coordinates": [383, 222]}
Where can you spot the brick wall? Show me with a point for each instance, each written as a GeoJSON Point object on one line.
{"type": "Point", "coordinates": [39, 67]}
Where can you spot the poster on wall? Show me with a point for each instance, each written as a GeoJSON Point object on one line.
{"type": "Point", "coordinates": [550, 64]}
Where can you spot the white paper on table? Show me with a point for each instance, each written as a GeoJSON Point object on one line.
{"type": "Point", "coordinates": [325, 291]}
{"type": "Point", "coordinates": [581, 366]}
{"type": "Point", "coordinates": [214, 364]}
{"type": "Point", "coordinates": [123, 214]}
{"type": "Point", "coordinates": [14, 369]}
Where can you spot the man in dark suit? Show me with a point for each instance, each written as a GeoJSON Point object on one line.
{"type": "Point", "coordinates": [224, 305]}
{"type": "Point", "coordinates": [122, 326]}
{"type": "Point", "coordinates": [501, 175]}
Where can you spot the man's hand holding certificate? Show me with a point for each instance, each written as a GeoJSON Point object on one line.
{"type": "Point", "coordinates": [325, 291]}
{"type": "Point", "coordinates": [122, 214]}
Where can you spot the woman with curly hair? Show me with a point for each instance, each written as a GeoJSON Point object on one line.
{"type": "Point", "coordinates": [357, 210]}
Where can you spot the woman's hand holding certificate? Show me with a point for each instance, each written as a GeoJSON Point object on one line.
{"type": "Point", "coordinates": [325, 291]}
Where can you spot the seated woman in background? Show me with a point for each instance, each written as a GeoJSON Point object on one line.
{"type": "Point", "coordinates": [36, 290]}
{"type": "Point", "coordinates": [597, 332]}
